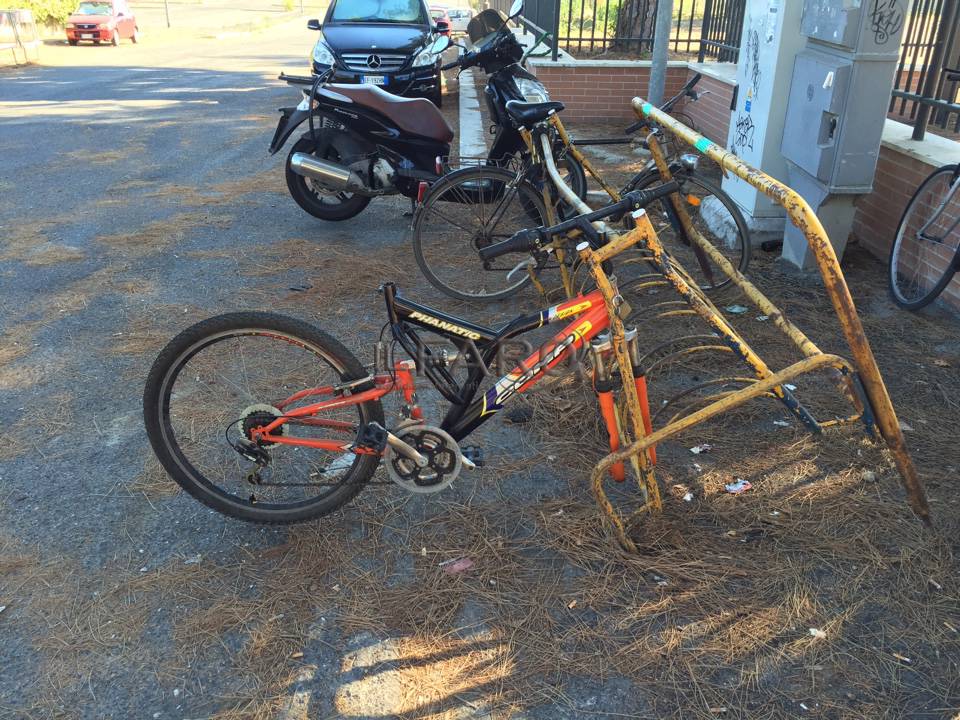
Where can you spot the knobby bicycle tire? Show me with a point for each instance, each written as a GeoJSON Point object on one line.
{"type": "Point", "coordinates": [172, 361]}
{"type": "Point", "coordinates": [743, 233]}
{"type": "Point", "coordinates": [441, 205]}
{"type": "Point", "coordinates": [897, 247]}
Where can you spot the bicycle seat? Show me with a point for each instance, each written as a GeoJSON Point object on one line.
{"type": "Point", "coordinates": [527, 113]}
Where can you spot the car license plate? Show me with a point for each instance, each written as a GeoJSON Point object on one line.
{"type": "Point", "coordinates": [86, 36]}
{"type": "Point", "coordinates": [373, 79]}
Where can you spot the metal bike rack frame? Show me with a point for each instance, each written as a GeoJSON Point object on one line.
{"type": "Point", "coordinates": [877, 412]}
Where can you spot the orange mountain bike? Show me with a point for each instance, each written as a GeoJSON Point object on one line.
{"type": "Point", "coordinates": [266, 418]}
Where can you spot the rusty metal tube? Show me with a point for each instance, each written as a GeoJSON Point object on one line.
{"type": "Point", "coordinates": [803, 217]}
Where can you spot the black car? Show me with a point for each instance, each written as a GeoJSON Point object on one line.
{"type": "Point", "coordinates": [380, 42]}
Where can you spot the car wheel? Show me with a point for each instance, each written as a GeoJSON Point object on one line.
{"type": "Point", "coordinates": [71, 42]}
{"type": "Point", "coordinates": [115, 40]}
{"type": "Point", "coordinates": [136, 35]}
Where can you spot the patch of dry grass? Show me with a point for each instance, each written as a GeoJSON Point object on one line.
{"type": "Point", "coordinates": [105, 157]}
{"type": "Point", "coordinates": [38, 423]}
{"type": "Point", "coordinates": [160, 235]}
{"type": "Point", "coordinates": [153, 482]}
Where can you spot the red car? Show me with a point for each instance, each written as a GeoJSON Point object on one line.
{"type": "Point", "coordinates": [102, 21]}
{"type": "Point", "coordinates": [440, 14]}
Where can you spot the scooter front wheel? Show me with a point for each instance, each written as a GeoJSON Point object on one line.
{"type": "Point", "coordinates": [316, 200]}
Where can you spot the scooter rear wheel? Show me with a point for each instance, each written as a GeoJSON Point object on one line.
{"type": "Point", "coordinates": [320, 202]}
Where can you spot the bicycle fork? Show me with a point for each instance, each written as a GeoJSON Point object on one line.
{"type": "Point", "coordinates": [604, 384]}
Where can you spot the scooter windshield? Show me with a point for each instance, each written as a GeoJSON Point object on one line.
{"type": "Point", "coordinates": [484, 25]}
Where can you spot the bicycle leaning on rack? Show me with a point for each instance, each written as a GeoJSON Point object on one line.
{"type": "Point", "coordinates": [476, 207]}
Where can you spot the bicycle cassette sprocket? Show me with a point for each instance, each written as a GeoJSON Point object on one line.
{"type": "Point", "coordinates": [441, 451]}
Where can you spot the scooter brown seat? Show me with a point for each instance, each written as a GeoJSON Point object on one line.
{"type": "Point", "coordinates": [415, 115]}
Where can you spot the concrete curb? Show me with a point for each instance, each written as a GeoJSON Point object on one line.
{"type": "Point", "coordinates": [471, 139]}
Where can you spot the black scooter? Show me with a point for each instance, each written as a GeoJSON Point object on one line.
{"type": "Point", "coordinates": [363, 142]}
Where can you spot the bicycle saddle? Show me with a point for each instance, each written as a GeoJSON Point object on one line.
{"type": "Point", "coordinates": [527, 113]}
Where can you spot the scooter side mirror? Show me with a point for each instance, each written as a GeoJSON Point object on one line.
{"type": "Point", "coordinates": [313, 24]}
{"type": "Point", "coordinates": [516, 8]}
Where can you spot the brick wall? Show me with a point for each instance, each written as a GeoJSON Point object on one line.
{"type": "Point", "coordinates": [603, 90]}
{"type": "Point", "coordinates": [711, 113]}
{"type": "Point", "coordinates": [875, 224]}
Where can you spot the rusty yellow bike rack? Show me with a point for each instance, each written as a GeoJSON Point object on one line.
{"type": "Point", "coordinates": [877, 412]}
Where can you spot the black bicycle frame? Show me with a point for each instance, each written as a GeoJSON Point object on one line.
{"type": "Point", "coordinates": [480, 345]}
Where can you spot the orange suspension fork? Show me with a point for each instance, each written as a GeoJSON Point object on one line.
{"type": "Point", "coordinates": [640, 380]}
{"type": "Point", "coordinates": [603, 385]}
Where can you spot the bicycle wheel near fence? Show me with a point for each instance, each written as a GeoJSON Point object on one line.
{"type": "Point", "coordinates": [718, 219]}
{"type": "Point", "coordinates": [925, 256]}
{"type": "Point", "coordinates": [467, 210]}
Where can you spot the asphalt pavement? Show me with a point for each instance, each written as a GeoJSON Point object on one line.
{"type": "Point", "coordinates": [137, 196]}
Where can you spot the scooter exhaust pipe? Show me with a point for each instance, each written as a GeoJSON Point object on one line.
{"type": "Point", "coordinates": [330, 175]}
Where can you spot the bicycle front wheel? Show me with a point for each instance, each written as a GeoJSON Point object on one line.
{"type": "Point", "coordinates": [467, 210]}
{"type": "Point", "coordinates": [923, 258]}
{"type": "Point", "coordinates": [224, 377]}
{"type": "Point", "coordinates": [718, 219]}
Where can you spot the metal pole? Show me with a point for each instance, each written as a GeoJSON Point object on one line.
{"type": "Point", "coordinates": [166, 9]}
{"type": "Point", "coordinates": [934, 66]}
{"type": "Point", "coordinates": [705, 29]}
{"type": "Point", "coordinates": [661, 43]}
{"type": "Point", "coordinates": [555, 51]}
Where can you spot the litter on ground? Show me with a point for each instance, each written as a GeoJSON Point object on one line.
{"type": "Point", "coordinates": [740, 486]}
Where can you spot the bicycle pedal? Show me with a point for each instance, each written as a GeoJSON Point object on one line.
{"type": "Point", "coordinates": [474, 455]}
{"type": "Point", "coordinates": [372, 437]}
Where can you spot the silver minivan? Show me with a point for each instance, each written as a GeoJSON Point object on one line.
{"type": "Point", "coordinates": [459, 19]}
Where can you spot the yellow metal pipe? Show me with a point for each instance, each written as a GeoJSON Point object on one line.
{"type": "Point", "coordinates": [803, 217]}
{"type": "Point", "coordinates": [707, 251]}
{"type": "Point", "coordinates": [581, 158]}
{"type": "Point", "coordinates": [760, 387]}
{"type": "Point", "coordinates": [638, 447]}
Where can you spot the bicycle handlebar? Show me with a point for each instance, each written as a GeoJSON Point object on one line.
{"type": "Point", "coordinates": [535, 239]}
{"type": "Point", "coordinates": [297, 79]}
{"type": "Point", "coordinates": [668, 105]}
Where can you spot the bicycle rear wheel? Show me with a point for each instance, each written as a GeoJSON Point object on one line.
{"type": "Point", "coordinates": [467, 210]}
{"type": "Point", "coordinates": [924, 255]}
{"type": "Point", "coordinates": [222, 378]}
{"type": "Point", "coordinates": [718, 219]}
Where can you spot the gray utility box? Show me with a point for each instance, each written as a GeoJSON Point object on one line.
{"type": "Point", "coordinates": [863, 27]}
{"type": "Point", "coordinates": [837, 108]}
{"type": "Point", "coordinates": [835, 119]}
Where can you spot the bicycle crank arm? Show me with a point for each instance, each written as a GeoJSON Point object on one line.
{"type": "Point", "coordinates": [406, 450]}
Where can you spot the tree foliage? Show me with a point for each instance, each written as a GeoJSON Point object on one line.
{"type": "Point", "coordinates": [48, 12]}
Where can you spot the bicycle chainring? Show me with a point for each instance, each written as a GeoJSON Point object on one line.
{"type": "Point", "coordinates": [442, 452]}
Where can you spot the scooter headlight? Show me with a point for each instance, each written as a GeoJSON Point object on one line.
{"type": "Point", "coordinates": [532, 90]}
{"type": "Point", "coordinates": [322, 55]}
